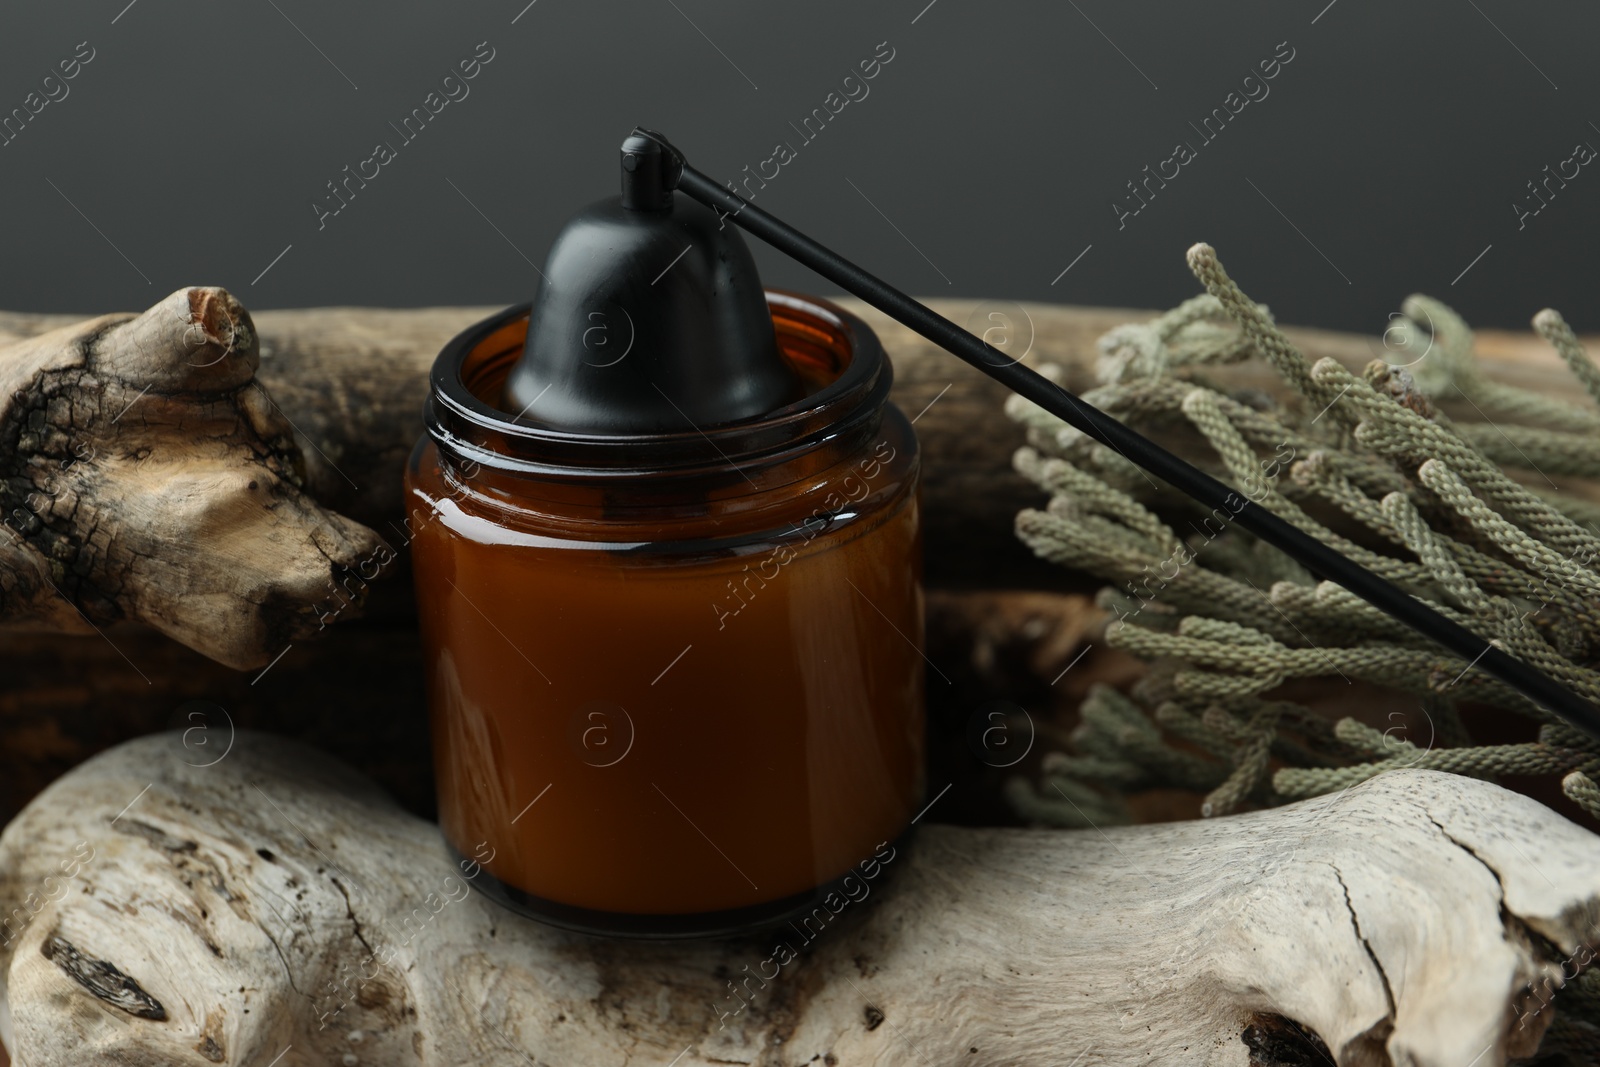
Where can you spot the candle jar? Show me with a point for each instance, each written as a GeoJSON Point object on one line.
{"type": "Point", "coordinates": [675, 679]}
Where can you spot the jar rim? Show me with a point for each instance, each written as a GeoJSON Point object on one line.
{"type": "Point", "coordinates": [463, 424]}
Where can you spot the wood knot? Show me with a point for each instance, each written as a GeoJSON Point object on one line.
{"type": "Point", "coordinates": [105, 980]}
{"type": "Point", "coordinates": [1275, 1041]}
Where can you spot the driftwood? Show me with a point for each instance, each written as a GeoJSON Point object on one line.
{"type": "Point", "coordinates": [168, 909]}
{"type": "Point", "coordinates": [146, 475]}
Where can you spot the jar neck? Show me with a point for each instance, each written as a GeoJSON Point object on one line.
{"type": "Point", "coordinates": [491, 452]}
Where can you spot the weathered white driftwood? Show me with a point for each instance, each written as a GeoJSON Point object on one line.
{"type": "Point", "coordinates": [173, 902]}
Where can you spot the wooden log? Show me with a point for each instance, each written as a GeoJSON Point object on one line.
{"type": "Point", "coordinates": [265, 905]}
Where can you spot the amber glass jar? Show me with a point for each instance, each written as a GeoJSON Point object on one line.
{"type": "Point", "coordinates": [676, 680]}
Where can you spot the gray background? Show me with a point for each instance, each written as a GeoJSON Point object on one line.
{"type": "Point", "coordinates": [993, 146]}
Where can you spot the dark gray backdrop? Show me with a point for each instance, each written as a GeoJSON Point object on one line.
{"type": "Point", "coordinates": [986, 157]}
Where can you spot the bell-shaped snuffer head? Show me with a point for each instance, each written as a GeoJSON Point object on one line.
{"type": "Point", "coordinates": [651, 319]}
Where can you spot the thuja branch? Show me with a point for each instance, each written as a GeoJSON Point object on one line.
{"type": "Point", "coordinates": [1368, 463]}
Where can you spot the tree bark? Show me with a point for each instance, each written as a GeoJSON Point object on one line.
{"type": "Point", "coordinates": [260, 904]}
